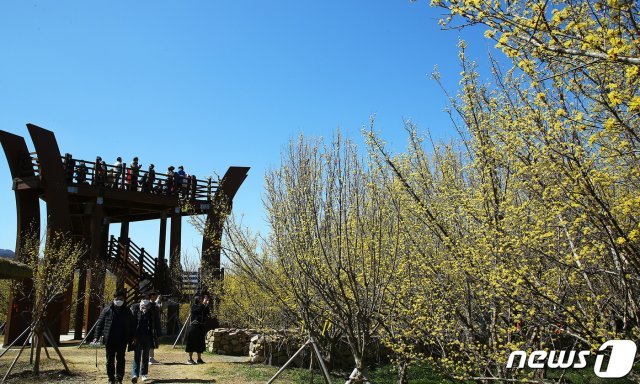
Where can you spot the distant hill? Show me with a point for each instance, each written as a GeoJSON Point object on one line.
{"type": "Point", "coordinates": [7, 253]}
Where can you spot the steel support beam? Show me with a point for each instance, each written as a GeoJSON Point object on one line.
{"type": "Point", "coordinates": [27, 222]}
{"type": "Point", "coordinates": [220, 208]}
{"type": "Point", "coordinates": [97, 262]}
{"type": "Point", "coordinates": [214, 225]}
{"type": "Point", "coordinates": [54, 181]}
{"type": "Point", "coordinates": [96, 275]}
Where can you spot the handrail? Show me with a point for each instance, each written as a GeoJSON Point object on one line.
{"type": "Point", "coordinates": [191, 281]}
{"type": "Point", "coordinates": [83, 172]}
{"type": "Point", "coordinates": [132, 257]}
{"type": "Point", "coordinates": [136, 263]}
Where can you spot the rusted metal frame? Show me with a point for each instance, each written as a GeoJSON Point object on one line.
{"type": "Point", "coordinates": [27, 222]}
{"type": "Point", "coordinates": [55, 189]}
{"type": "Point", "coordinates": [220, 207]}
{"type": "Point", "coordinates": [53, 176]}
{"type": "Point", "coordinates": [95, 280]}
{"type": "Point", "coordinates": [82, 281]}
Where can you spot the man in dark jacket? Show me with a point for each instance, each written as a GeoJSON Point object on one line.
{"type": "Point", "coordinates": [146, 329]}
{"type": "Point", "coordinates": [115, 327]}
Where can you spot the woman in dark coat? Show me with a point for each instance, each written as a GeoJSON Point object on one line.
{"type": "Point", "coordinates": [197, 329]}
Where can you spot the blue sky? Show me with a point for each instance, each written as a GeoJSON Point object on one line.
{"type": "Point", "coordinates": [209, 84]}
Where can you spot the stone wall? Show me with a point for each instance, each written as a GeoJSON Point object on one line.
{"type": "Point", "coordinates": [230, 341]}
{"type": "Point", "coordinates": [276, 347]}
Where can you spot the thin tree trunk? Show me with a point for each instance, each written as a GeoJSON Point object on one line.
{"type": "Point", "coordinates": [402, 372]}
{"type": "Point", "coordinates": [36, 361]}
{"type": "Point", "coordinates": [359, 372]}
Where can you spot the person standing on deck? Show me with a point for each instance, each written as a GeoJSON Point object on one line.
{"type": "Point", "coordinates": [169, 183]}
{"type": "Point", "coordinates": [133, 176]}
{"type": "Point", "coordinates": [117, 167]}
{"type": "Point", "coordinates": [81, 174]}
{"type": "Point", "coordinates": [151, 178]}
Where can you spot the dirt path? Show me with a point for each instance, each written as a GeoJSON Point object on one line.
{"type": "Point", "coordinates": [82, 362]}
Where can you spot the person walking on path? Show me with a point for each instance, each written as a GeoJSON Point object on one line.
{"type": "Point", "coordinates": [197, 329]}
{"type": "Point", "coordinates": [115, 327]}
{"type": "Point", "coordinates": [145, 330]}
{"type": "Point", "coordinates": [156, 307]}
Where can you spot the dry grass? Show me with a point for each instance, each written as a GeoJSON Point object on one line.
{"type": "Point", "coordinates": [82, 363]}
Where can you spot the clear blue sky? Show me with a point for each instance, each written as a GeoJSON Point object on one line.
{"type": "Point", "coordinates": [212, 84]}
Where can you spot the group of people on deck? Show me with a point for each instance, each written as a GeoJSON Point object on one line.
{"type": "Point", "coordinates": [138, 328]}
{"type": "Point", "coordinates": [130, 178]}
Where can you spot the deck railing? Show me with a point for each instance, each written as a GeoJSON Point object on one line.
{"type": "Point", "coordinates": [134, 259]}
{"type": "Point", "coordinates": [192, 280]}
{"type": "Point", "coordinates": [83, 172]}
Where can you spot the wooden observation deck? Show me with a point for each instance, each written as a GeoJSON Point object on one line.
{"type": "Point", "coordinates": [83, 197]}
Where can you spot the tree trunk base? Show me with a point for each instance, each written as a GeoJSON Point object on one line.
{"type": "Point", "coordinates": [357, 377]}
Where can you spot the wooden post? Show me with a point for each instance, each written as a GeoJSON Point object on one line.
{"type": "Point", "coordinates": [175, 240]}
{"type": "Point", "coordinates": [160, 273]}
{"type": "Point", "coordinates": [123, 240]}
{"type": "Point", "coordinates": [95, 281]}
{"type": "Point", "coordinates": [141, 262]}
{"type": "Point", "coordinates": [163, 236]}
{"type": "Point", "coordinates": [78, 321]}
{"type": "Point", "coordinates": [123, 175]}
{"type": "Point", "coordinates": [194, 187]}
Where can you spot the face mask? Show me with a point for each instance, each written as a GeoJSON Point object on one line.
{"type": "Point", "coordinates": [144, 302]}
{"type": "Point", "coordinates": [118, 303]}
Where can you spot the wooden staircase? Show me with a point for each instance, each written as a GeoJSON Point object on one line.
{"type": "Point", "coordinates": [136, 266]}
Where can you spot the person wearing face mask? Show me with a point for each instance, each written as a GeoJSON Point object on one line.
{"type": "Point", "coordinates": [146, 327]}
{"type": "Point", "coordinates": [115, 328]}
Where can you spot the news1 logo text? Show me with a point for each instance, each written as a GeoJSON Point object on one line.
{"type": "Point", "coordinates": [620, 359]}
